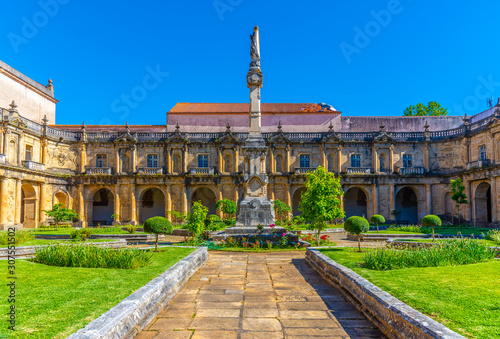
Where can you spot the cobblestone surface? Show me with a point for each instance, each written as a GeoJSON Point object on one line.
{"type": "Point", "coordinates": [259, 295]}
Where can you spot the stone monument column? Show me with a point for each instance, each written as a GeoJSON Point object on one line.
{"type": "Point", "coordinates": [255, 208]}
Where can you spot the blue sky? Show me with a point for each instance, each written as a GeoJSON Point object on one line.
{"type": "Point", "coordinates": [364, 58]}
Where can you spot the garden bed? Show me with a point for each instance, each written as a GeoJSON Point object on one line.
{"type": "Point", "coordinates": [464, 298]}
{"type": "Point", "coordinates": [53, 302]}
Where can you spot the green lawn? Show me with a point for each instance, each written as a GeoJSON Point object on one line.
{"type": "Point", "coordinates": [53, 302]}
{"type": "Point", "coordinates": [67, 231]}
{"type": "Point", "coordinates": [464, 298]}
{"type": "Point", "coordinates": [487, 242]}
{"type": "Point", "coordinates": [441, 230]}
{"type": "Point", "coordinates": [48, 242]}
{"type": "Point", "coordinates": [390, 232]}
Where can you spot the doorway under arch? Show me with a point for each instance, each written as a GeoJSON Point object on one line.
{"type": "Point", "coordinates": [28, 206]}
{"type": "Point", "coordinates": [61, 198]}
{"type": "Point", "coordinates": [407, 203]}
{"type": "Point", "coordinates": [207, 198]}
{"type": "Point", "coordinates": [297, 195]}
{"type": "Point", "coordinates": [355, 203]}
{"type": "Point", "coordinates": [103, 207]}
{"type": "Point", "coordinates": [482, 201]}
{"type": "Point", "coordinates": [152, 204]}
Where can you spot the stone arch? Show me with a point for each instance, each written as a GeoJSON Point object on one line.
{"type": "Point", "coordinates": [296, 197]}
{"type": "Point", "coordinates": [103, 207]}
{"type": "Point", "coordinates": [483, 204]}
{"type": "Point", "coordinates": [151, 203]}
{"type": "Point", "coordinates": [409, 201]}
{"type": "Point", "coordinates": [356, 202]}
{"type": "Point", "coordinates": [28, 206]}
{"type": "Point", "coordinates": [61, 197]}
{"type": "Point", "coordinates": [206, 196]}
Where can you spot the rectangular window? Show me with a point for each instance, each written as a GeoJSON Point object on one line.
{"type": "Point", "coordinates": [482, 152]}
{"type": "Point", "coordinates": [304, 161]}
{"type": "Point", "coordinates": [356, 160]}
{"type": "Point", "coordinates": [407, 160]}
{"type": "Point", "coordinates": [152, 160]}
{"type": "Point", "coordinates": [29, 153]}
{"type": "Point", "coordinates": [101, 160]}
{"type": "Point", "coordinates": [203, 160]}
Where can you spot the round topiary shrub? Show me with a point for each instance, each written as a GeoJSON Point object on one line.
{"type": "Point", "coordinates": [158, 225]}
{"type": "Point", "coordinates": [431, 221]}
{"type": "Point", "coordinates": [356, 225]}
{"type": "Point", "coordinates": [377, 219]}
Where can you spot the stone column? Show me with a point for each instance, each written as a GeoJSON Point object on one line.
{"type": "Point", "coordinates": [169, 160]}
{"type": "Point", "coordinates": [288, 164]}
{"type": "Point", "coordinates": [43, 199]}
{"type": "Point", "coordinates": [288, 197]}
{"type": "Point", "coordinates": [392, 201]}
{"type": "Point", "coordinates": [236, 159]}
{"type": "Point", "coordinates": [2, 137]}
{"type": "Point", "coordinates": [19, 151]}
{"type": "Point", "coordinates": [81, 205]}
{"type": "Point", "coordinates": [44, 157]}
{"type": "Point", "coordinates": [168, 203]}
{"type": "Point", "coordinates": [117, 161]}
{"type": "Point", "coordinates": [391, 159]}
{"type": "Point", "coordinates": [134, 158]}
{"type": "Point", "coordinates": [83, 158]}
{"type": "Point", "coordinates": [220, 163]}
{"type": "Point", "coordinates": [185, 206]}
{"type": "Point", "coordinates": [374, 200]}
{"type": "Point", "coordinates": [219, 197]}
{"type": "Point", "coordinates": [426, 158]}
{"type": "Point", "coordinates": [184, 159]}
{"type": "Point", "coordinates": [19, 202]}
{"type": "Point", "coordinates": [117, 207]}
{"type": "Point", "coordinates": [428, 199]}
{"type": "Point", "coordinates": [494, 201]}
{"type": "Point", "coordinates": [6, 145]}
{"type": "Point", "coordinates": [376, 167]}
{"type": "Point", "coordinates": [472, 204]}
{"type": "Point", "coordinates": [90, 211]}
{"type": "Point", "coordinates": [273, 161]}
{"type": "Point", "coordinates": [133, 206]}
{"type": "Point", "coordinates": [4, 198]}
{"type": "Point", "coordinates": [323, 157]}
{"type": "Point", "coordinates": [339, 160]}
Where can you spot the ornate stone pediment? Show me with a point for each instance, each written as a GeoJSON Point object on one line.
{"type": "Point", "coordinates": [228, 136]}
{"type": "Point", "coordinates": [127, 136]}
{"type": "Point", "coordinates": [383, 137]}
{"type": "Point", "coordinates": [279, 137]}
{"type": "Point", "coordinates": [177, 136]}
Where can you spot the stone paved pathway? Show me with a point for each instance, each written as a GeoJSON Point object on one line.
{"type": "Point", "coordinates": [259, 295]}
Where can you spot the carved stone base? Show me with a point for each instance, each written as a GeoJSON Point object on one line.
{"type": "Point", "coordinates": [254, 211]}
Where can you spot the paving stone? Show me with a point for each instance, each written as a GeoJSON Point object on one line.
{"type": "Point", "coordinates": [315, 332]}
{"type": "Point", "coordinates": [214, 335]}
{"type": "Point", "coordinates": [260, 313]}
{"type": "Point", "coordinates": [293, 314]}
{"type": "Point", "coordinates": [219, 298]}
{"type": "Point", "coordinates": [218, 313]}
{"type": "Point", "coordinates": [204, 304]}
{"type": "Point", "coordinates": [264, 335]}
{"type": "Point", "coordinates": [146, 335]}
{"type": "Point", "coordinates": [326, 323]}
{"type": "Point", "coordinates": [215, 324]}
{"type": "Point", "coordinates": [261, 324]}
{"type": "Point", "coordinates": [171, 324]}
{"type": "Point", "coordinates": [183, 313]}
{"type": "Point", "coordinates": [298, 305]}
{"type": "Point", "coordinates": [173, 335]}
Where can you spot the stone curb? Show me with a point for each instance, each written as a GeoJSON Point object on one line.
{"type": "Point", "coordinates": [393, 317]}
{"type": "Point", "coordinates": [133, 313]}
{"type": "Point", "coordinates": [23, 252]}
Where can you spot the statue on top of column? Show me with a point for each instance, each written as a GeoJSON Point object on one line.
{"type": "Point", "coordinates": [255, 48]}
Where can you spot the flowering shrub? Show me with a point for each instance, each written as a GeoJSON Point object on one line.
{"type": "Point", "coordinates": [323, 240]}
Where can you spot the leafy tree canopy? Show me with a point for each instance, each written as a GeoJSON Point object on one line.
{"type": "Point", "coordinates": [60, 213]}
{"type": "Point", "coordinates": [432, 109]}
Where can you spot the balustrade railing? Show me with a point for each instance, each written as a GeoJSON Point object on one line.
{"type": "Point", "coordinates": [477, 164]}
{"type": "Point", "coordinates": [59, 133]}
{"type": "Point", "coordinates": [99, 170]}
{"type": "Point", "coordinates": [150, 170]}
{"type": "Point", "coordinates": [358, 170]}
{"type": "Point", "coordinates": [411, 170]}
{"type": "Point", "coordinates": [3, 159]}
{"type": "Point", "coordinates": [202, 170]}
{"type": "Point", "coordinates": [304, 170]}
{"type": "Point", "coordinates": [34, 166]}
{"type": "Point", "coordinates": [34, 126]}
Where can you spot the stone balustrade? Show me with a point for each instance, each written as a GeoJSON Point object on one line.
{"type": "Point", "coordinates": [99, 170]}
{"type": "Point", "coordinates": [2, 159]}
{"type": "Point", "coordinates": [304, 170]}
{"type": "Point", "coordinates": [150, 170]}
{"type": "Point", "coordinates": [477, 164]}
{"type": "Point", "coordinates": [202, 170]}
{"type": "Point", "coordinates": [34, 166]}
{"type": "Point", "coordinates": [358, 170]}
{"type": "Point", "coordinates": [411, 170]}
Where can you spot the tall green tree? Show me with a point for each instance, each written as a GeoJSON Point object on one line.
{"type": "Point", "coordinates": [432, 109]}
{"type": "Point", "coordinates": [322, 200]}
{"type": "Point", "coordinates": [196, 219]}
{"type": "Point", "coordinates": [458, 195]}
{"type": "Point", "coordinates": [60, 213]}
{"type": "Point", "coordinates": [281, 209]}
{"type": "Point", "coordinates": [228, 208]}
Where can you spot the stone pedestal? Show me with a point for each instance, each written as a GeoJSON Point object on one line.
{"type": "Point", "coordinates": [254, 211]}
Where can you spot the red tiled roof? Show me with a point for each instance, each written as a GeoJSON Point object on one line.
{"type": "Point", "coordinates": [188, 107]}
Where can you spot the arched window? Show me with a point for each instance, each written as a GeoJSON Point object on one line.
{"type": "Point", "coordinates": [331, 165]}
{"type": "Point", "coordinates": [227, 164]}
{"type": "Point", "coordinates": [279, 163]}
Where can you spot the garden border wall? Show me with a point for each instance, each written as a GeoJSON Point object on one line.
{"type": "Point", "coordinates": [393, 317]}
{"type": "Point", "coordinates": [133, 313]}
